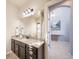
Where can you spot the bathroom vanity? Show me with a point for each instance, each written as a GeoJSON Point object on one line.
{"type": "Point", "coordinates": [27, 48]}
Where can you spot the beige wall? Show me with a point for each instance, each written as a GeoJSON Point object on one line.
{"type": "Point", "coordinates": [13, 20]}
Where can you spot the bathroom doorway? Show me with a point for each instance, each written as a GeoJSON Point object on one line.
{"type": "Point", "coordinates": [60, 32]}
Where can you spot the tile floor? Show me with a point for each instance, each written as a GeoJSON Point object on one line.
{"type": "Point", "coordinates": [59, 51]}
{"type": "Point", "coordinates": [11, 56]}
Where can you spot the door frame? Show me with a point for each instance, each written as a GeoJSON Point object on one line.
{"type": "Point", "coordinates": [51, 3]}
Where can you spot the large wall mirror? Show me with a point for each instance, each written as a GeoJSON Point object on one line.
{"type": "Point", "coordinates": [40, 26]}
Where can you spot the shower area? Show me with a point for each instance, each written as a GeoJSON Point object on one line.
{"type": "Point", "coordinates": [60, 32]}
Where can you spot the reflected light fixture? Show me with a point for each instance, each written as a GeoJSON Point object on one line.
{"type": "Point", "coordinates": [52, 14]}
{"type": "Point", "coordinates": [28, 12]}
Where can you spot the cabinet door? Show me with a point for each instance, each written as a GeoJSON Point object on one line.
{"type": "Point", "coordinates": [16, 49]}
{"type": "Point", "coordinates": [21, 52]}
{"type": "Point", "coordinates": [13, 45]}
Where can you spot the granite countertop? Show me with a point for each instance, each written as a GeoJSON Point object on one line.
{"type": "Point", "coordinates": [32, 42]}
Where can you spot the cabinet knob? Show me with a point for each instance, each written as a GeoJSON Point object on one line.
{"type": "Point", "coordinates": [30, 52]}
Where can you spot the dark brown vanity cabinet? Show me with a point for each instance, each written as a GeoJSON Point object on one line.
{"type": "Point", "coordinates": [22, 53]}
{"type": "Point", "coordinates": [20, 49]}
{"type": "Point", "coordinates": [31, 52]}
{"type": "Point", "coordinates": [25, 51]}
{"type": "Point", "coordinates": [13, 45]}
{"type": "Point", "coordinates": [34, 53]}
{"type": "Point", "coordinates": [17, 49]}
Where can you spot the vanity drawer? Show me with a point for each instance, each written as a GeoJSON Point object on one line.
{"type": "Point", "coordinates": [20, 44]}
{"type": "Point", "coordinates": [31, 56]}
{"type": "Point", "coordinates": [34, 49]}
{"type": "Point", "coordinates": [31, 49]}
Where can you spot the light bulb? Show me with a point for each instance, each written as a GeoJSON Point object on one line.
{"type": "Point", "coordinates": [29, 10]}
{"type": "Point", "coordinates": [26, 12]}
{"type": "Point", "coordinates": [23, 14]}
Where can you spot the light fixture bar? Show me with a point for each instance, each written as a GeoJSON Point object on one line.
{"type": "Point", "coordinates": [28, 12]}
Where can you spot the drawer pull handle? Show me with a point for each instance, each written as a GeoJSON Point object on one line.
{"type": "Point", "coordinates": [30, 52]}
{"type": "Point", "coordinates": [30, 49]}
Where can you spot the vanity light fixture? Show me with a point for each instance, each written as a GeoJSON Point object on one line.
{"type": "Point", "coordinates": [28, 12]}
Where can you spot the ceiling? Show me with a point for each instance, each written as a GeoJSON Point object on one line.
{"type": "Point", "coordinates": [21, 3]}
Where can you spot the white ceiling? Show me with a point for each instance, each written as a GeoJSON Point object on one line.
{"type": "Point", "coordinates": [37, 5]}
{"type": "Point", "coordinates": [21, 3]}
